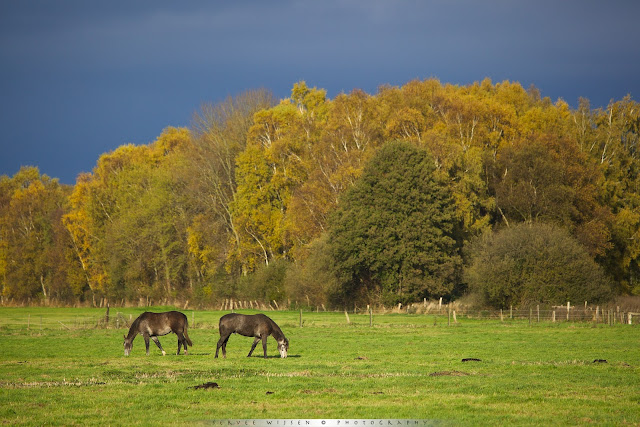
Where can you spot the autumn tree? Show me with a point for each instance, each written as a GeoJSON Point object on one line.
{"type": "Point", "coordinates": [347, 130]}
{"type": "Point", "coordinates": [613, 141]}
{"type": "Point", "coordinates": [547, 179]}
{"type": "Point", "coordinates": [33, 244]}
{"type": "Point", "coordinates": [128, 220]}
{"type": "Point", "coordinates": [219, 135]}
{"type": "Point", "coordinates": [274, 165]}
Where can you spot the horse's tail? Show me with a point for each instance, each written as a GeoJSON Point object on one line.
{"type": "Point", "coordinates": [186, 337]}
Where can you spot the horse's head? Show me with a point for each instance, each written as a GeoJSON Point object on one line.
{"type": "Point", "coordinates": [283, 347]}
{"type": "Point", "coordinates": [128, 343]}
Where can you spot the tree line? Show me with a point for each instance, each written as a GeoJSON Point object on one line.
{"type": "Point", "coordinates": [410, 193]}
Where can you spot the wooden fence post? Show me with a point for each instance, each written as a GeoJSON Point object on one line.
{"type": "Point", "coordinates": [538, 312]}
{"type": "Point", "coordinates": [301, 318]}
{"type": "Point", "coordinates": [511, 312]}
{"type": "Point", "coordinates": [553, 317]}
{"type": "Point", "coordinates": [501, 317]}
{"type": "Point", "coordinates": [568, 308]}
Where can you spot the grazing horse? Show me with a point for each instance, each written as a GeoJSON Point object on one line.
{"type": "Point", "coordinates": [155, 325]}
{"type": "Point", "coordinates": [258, 326]}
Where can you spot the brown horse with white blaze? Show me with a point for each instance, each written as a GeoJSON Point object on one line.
{"type": "Point", "coordinates": [154, 325]}
{"type": "Point", "coordinates": [258, 326]}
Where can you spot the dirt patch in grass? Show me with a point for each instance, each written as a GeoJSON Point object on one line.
{"type": "Point", "coordinates": [206, 386]}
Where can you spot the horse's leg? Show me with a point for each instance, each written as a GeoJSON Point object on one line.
{"type": "Point", "coordinates": [224, 346]}
{"type": "Point", "coordinates": [181, 342]}
{"type": "Point", "coordinates": [222, 342]}
{"type": "Point", "coordinates": [183, 338]}
{"type": "Point", "coordinates": [255, 342]}
{"type": "Point", "coordinates": [146, 342]}
{"type": "Point", "coordinates": [264, 344]}
{"type": "Point", "coordinates": [157, 341]}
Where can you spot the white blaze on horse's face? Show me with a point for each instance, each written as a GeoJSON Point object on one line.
{"type": "Point", "coordinates": [283, 346]}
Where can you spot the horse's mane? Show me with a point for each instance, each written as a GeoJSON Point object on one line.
{"type": "Point", "coordinates": [133, 330]}
{"type": "Point", "coordinates": [277, 332]}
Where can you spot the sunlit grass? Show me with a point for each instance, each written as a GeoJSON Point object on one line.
{"type": "Point", "coordinates": [402, 367]}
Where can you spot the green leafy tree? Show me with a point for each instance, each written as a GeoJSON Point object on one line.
{"type": "Point", "coordinates": [393, 235]}
{"type": "Point", "coordinates": [534, 263]}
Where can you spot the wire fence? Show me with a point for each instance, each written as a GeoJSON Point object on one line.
{"type": "Point", "coordinates": [449, 314]}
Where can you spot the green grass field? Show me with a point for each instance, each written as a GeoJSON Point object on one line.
{"type": "Point", "coordinates": [57, 368]}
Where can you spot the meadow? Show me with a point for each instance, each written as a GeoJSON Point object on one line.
{"type": "Point", "coordinates": [60, 366]}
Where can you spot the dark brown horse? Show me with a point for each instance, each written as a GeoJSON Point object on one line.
{"type": "Point", "coordinates": [258, 326]}
{"type": "Point", "coordinates": [154, 325]}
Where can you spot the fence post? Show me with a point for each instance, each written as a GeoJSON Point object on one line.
{"type": "Point", "coordinates": [511, 312]}
{"type": "Point", "coordinates": [301, 318]}
{"type": "Point", "coordinates": [501, 317]}
{"type": "Point", "coordinates": [455, 320]}
{"type": "Point", "coordinates": [538, 312]}
{"type": "Point", "coordinates": [530, 315]}
{"type": "Point", "coordinates": [449, 321]}
{"type": "Point", "coordinates": [610, 317]}
{"type": "Point", "coordinates": [568, 308]}
{"type": "Point", "coordinates": [554, 316]}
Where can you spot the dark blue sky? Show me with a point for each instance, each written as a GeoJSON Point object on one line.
{"type": "Point", "coordinates": [80, 78]}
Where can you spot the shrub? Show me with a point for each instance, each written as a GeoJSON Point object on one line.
{"type": "Point", "coordinates": [310, 281]}
{"type": "Point", "coordinates": [534, 263]}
